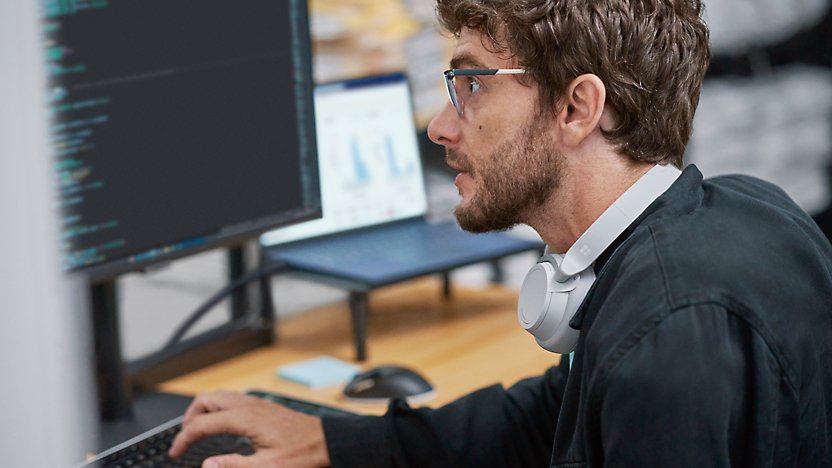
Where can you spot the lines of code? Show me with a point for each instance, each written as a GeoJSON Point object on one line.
{"type": "Point", "coordinates": [74, 127]}
{"type": "Point", "coordinates": [176, 122]}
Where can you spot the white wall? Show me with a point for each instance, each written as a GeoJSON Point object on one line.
{"type": "Point", "coordinates": [45, 399]}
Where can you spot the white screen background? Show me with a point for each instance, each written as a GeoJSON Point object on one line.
{"type": "Point", "coordinates": [369, 162]}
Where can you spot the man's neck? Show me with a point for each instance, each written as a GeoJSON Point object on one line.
{"type": "Point", "coordinates": [585, 192]}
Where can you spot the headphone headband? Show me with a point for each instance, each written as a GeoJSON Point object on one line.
{"type": "Point", "coordinates": [615, 219]}
{"type": "Point", "coordinates": [554, 289]}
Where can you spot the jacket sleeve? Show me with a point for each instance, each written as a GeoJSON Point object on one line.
{"type": "Point", "coordinates": [489, 427]}
{"type": "Point", "coordinates": [698, 388]}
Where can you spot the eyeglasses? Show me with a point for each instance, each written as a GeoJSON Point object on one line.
{"type": "Point", "coordinates": [460, 90]}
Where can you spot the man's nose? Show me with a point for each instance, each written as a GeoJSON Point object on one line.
{"type": "Point", "coordinates": [444, 128]}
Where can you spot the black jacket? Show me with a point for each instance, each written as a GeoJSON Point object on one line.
{"type": "Point", "coordinates": [706, 340]}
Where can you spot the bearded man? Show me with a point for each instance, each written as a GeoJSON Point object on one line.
{"type": "Point", "coordinates": [697, 313]}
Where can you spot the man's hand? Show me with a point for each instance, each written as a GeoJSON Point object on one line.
{"type": "Point", "coordinates": [281, 437]}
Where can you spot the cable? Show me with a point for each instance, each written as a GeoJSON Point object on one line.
{"type": "Point", "coordinates": [200, 312]}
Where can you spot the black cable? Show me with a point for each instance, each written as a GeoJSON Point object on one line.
{"type": "Point", "coordinates": [200, 312]}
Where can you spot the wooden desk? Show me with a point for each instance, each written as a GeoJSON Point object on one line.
{"type": "Point", "coordinates": [461, 344]}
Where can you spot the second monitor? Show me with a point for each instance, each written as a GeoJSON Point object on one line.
{"type": "Point", "coordinates": [368, 158]}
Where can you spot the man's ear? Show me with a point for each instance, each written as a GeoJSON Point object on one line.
{"type": "Point", "coordinates": [583, 106]}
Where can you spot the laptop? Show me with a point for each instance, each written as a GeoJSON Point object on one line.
{"type": "Point", "coordinates": [374, 229]}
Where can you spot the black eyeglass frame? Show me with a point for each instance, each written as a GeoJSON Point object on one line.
{"type": "Point", "coordinates": [454, 72]}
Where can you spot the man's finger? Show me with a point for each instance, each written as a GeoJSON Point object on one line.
{"type": "Point", "coordinates": [227, 461]}
{"type": "Point", "coordinates": [226, 422]}
{"type": "Point", "coordinates": [217, 400]}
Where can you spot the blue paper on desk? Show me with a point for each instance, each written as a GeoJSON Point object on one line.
{"type": "Point", "coordinates": [319, 372]}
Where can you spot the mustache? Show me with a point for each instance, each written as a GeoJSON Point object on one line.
{"type": "Point", "coordinates": [458, 160]}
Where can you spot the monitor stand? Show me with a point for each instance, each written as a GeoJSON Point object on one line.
{"type": "Point", "coordinates": [123, 414]}
{"type": "Point", "coordinates": [126, 412]}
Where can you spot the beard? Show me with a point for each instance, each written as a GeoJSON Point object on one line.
{"type": "Point", "coordinates": [512, 182]}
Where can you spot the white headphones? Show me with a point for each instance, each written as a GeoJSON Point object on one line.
{"type": "Point", "coordinates": [555, 287]}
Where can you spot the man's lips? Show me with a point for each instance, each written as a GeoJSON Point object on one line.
{"type": "Point", "coordinates": [457, 167]}
{"type": "Point", "coordinates": [463, 175]}
{"type": "Point", "coordinates": [456, 162]}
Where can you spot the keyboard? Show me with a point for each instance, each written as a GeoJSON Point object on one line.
{"type": "Point", "coordinates": [314, 409]}
{"type": "Point", "coordinates": [151, 448]}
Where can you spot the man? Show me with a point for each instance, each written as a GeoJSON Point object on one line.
{"type": "Point", "coordinates": [706, 338]}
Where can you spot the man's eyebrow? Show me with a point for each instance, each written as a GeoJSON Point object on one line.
{"type": "Point", "coordinates": [466, 60]}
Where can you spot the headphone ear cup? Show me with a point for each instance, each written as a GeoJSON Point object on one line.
{"type": "Point", "coordinates": [553, 292]}
{"type": "Point", "coordinates": [546, 306]}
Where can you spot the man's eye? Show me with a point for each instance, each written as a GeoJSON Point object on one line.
{"type": "Point", "coordinates": [473, 87]}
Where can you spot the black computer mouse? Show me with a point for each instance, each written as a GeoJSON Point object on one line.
{"type": "Point", "coordinates": [383, 383]}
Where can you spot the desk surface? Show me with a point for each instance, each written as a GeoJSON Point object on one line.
{"type": "Point", "coordinates": [467, 342]}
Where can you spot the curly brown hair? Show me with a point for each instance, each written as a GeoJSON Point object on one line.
{"type": "Point", "coordinates": [650, 54]}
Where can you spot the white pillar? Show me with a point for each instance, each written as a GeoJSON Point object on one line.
{"type": "Point", "coordinates": [46, 409]}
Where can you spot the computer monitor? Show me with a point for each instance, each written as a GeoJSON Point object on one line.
{"type": "Point", "coordinates": [178, 126]}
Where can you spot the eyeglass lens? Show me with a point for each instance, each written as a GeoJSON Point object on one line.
{"type": "Point", "coordinates": [450, 83]}
{"type": "Point", "coordinates": [456, 91]}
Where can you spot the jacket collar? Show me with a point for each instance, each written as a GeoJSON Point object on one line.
{"type": "Point", "coordinates": [682, 197]}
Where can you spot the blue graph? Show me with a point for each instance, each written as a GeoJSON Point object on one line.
{"type": "Point", "coordinates": [392, 163]}
{"type": "Point", "coordinates": [361, 173]}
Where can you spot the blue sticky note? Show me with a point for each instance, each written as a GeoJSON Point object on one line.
{"type": "Point", "coordinates": [319, 372]}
